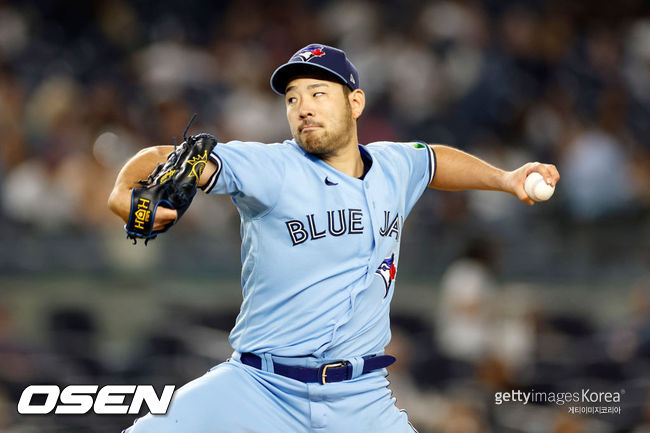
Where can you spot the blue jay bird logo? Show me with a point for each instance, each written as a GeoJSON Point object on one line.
{"type": "Point", "coordinates": [387, 271]}
{"type": "Point", "coordinates": [311, 52]}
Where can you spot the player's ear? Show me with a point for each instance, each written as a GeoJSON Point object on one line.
{"type": "Point", "coordinates": [357, 102]}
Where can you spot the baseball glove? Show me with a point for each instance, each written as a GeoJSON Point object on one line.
{"type": "Point", "coordinates": [172, 184]}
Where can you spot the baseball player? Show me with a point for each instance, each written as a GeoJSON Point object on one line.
{"type": "Point", "coordinates": [321, 224]}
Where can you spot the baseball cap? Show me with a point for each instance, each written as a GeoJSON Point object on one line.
{"type": "Point", "coordinates": [316, 57]}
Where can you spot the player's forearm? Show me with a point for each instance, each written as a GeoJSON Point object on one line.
{"type": "Point", "coordinates": [457, 170]}
{"type": "Point", "coordinates": [137, 168]}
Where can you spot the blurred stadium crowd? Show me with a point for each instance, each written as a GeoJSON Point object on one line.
{"type": "Point", "coordinates": [84, 85]}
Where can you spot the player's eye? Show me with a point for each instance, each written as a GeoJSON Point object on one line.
{"type": "Point", "coordinates": [291, 100]}
{"type": "Point", "coordinates": [319, 93]}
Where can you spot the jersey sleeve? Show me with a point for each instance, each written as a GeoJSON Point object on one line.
{"type": "Point", "coordinates": [420, 160]}
{"type": "Point", "coordinates": [252, 173]}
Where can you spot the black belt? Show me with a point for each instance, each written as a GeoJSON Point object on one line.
{"type": "Point", "coordinates": [336, 371]}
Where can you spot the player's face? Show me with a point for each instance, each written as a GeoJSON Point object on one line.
{"type": "Point", "coordinates": [320, 116]}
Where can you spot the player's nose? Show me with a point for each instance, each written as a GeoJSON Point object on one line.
{"type": "Point", "coordinates": [305, 110]}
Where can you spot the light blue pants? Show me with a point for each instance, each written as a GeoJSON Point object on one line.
{"type": "Point", "coordinates": [235, 398]}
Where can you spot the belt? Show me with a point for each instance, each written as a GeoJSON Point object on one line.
{"type": "Point", "coordinates": [336, 371]}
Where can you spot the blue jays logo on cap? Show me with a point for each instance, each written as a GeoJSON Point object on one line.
{"type": "Point", "coordinates": [316, 58]}
{"type": "Point", "coordinates": [308, 52]}
{"type": "Point", "coordinates": [387, 271]}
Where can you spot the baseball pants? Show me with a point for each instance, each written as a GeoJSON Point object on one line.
{"type": "Point", "coordinates": [236, 398]}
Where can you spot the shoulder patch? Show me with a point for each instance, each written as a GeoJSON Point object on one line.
{"type": "Point", "coordinates": [417, 145]}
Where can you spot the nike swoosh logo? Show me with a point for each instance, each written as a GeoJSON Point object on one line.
{"type": "Point", "coordinates": [328, 182]}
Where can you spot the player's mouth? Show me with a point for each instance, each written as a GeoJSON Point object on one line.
{"type": "Point", "coordinates": [308, 127]}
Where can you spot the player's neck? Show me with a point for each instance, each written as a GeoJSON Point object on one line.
{"type": "Point", "coordinates": [347, 160]}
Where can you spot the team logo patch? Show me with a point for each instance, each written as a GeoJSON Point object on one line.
{"type": "Point", "coordinates": [387, 271]}
{"type": "Point", "coordinates": [310, 53]}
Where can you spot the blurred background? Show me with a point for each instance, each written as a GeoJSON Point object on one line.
{"type": "Point", "coordinates": [492, 295]}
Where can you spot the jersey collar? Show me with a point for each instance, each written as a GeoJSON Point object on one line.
{"type": "Point", "coordinates": [365, 155]}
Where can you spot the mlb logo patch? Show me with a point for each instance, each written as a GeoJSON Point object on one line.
{"type": "Point", "coordinates": [387, 271]}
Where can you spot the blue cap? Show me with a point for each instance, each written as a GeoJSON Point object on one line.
{"type": "Point", "coordinates": [316, 57]}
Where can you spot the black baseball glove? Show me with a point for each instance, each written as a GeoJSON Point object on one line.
{"type": "Point", "coordinates": [172, 184]}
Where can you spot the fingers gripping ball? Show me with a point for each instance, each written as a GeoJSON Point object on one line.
{"type": "Point", "coordinates": [537, 188]}
{"type": "Point", "coordinates": [172, 185]}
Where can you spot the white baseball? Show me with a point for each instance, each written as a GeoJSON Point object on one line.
{"type": "Point", "coordinates": [537, 188]}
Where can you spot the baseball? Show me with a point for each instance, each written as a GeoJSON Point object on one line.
{"type": "Point", "coordinates": [536, 188]}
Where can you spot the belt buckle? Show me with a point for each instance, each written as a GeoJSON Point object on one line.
{"type": "Point", "coordinates": [324, 367]}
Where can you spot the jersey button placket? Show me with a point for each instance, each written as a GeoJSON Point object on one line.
{"type": "Point", "coordinates": [370, 204]}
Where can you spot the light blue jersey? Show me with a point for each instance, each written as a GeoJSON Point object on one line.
{"type": "Point", "coordinates": [320, 249]}
{"type": "Point", "coordinates": [319, 258]}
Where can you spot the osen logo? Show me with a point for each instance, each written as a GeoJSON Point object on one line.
{"type": "Point", "coordinates": [80, 399]}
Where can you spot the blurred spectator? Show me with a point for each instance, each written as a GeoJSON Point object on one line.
{"type": "Point", "coordinates": [465, 308]}
{"type": "Point", "coordinates": [597, 164]}
{"type": "Point", "coordinates": [637, 60]}
{"type": "Point", "coordinates": [12, 151]}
